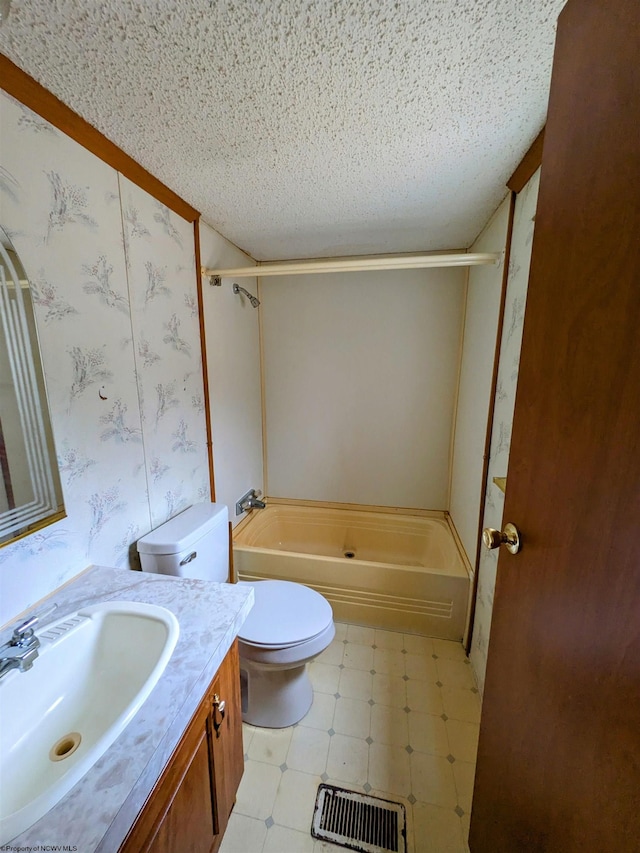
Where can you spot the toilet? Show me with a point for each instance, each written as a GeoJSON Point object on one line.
{"type": "Point", "coordinates": [289, 625]}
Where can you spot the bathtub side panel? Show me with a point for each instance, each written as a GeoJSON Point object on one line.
{"type": "Point", "coordinates": [393, 597]}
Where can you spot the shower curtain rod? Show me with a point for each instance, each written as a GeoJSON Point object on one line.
{"type": "Point", "coordinates": [382, 262]}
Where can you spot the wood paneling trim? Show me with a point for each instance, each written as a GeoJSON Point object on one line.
{"type": "Point", "coordinates": [205, 368]}
{"type": "Point", "coordinates": [29, 92]}
{"type": "Point", "coordinates": [529, 165]}
{"type": "Point", "coordinates": [233, 578]}
{"type": "Point", "coordinates": [492, 397]}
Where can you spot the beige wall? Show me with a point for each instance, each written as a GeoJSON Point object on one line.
{"type": "Point", "coordinates": [233, 361]}
{"type": "Point", "coordinates": [476, 373]}
{"type": "Point", "coordinates": [360, 383]}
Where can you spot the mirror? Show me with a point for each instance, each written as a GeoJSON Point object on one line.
{"type": "Point", "coordinates": [30, 488]}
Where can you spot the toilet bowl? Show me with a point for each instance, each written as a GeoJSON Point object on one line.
{"type": "Point", "coordinates": [289, 624]}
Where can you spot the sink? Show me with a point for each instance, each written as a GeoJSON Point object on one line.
{"type": "Point", "coordinates": [94, 670]}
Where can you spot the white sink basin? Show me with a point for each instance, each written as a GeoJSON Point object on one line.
{"type": "Point", "coordinates": [94, 670]}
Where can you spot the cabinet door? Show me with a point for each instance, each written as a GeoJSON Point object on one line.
{"type": "Point", "coordinates": [188, 810]}
{"type": "Point", "coordinates": [226, 738]}
{"type": "Point", "coordinates": [187, 825]}
{"type": "Point", "coordinates": [179, 814]}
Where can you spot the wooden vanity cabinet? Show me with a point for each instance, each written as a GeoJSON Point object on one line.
{"type": "Point", "coordinates": [189, 807]}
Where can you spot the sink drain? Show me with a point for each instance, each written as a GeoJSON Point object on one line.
{"type": "Point", "coordinates": [349, 554]}
{"type": "Point", "coordinates": [65, 746]}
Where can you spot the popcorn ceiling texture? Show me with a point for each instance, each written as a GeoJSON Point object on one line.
{"type": "Point", "coordinates": [307, 128]}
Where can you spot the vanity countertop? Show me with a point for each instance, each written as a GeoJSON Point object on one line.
{"type": "Point", "coordinates": [98, 812]}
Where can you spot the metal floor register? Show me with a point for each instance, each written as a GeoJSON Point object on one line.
{"type": "Point", "coordinates": [359, 822]}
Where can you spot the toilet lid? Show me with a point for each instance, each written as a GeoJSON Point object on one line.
{"type": "Point", "coordinates": [285, 614]}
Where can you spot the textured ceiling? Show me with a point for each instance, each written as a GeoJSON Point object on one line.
{"type": "Point", "coordinates": [307, 128]}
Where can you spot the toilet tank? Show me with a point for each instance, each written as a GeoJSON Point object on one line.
{"type": "Point", "coordinates": [193, 544]}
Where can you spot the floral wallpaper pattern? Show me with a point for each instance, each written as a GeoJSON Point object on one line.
{"type": "Point", "coordinates": [160, 257]}
{"type": "Point", "coordinates": [113, 278]}
{"type": "Point", "coordinates": [504, 403]}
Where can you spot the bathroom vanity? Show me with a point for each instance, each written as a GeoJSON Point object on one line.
{"type": "Point", "coordinates": [168, 782]}
{"type": "Point", "coordinates": [189, 808]}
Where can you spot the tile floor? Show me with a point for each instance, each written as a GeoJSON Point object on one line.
{"type": "Point", "coordinates": [394, 715]}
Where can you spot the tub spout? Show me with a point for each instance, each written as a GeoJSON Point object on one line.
{"type": "Point", "coordinates": [248, 502]}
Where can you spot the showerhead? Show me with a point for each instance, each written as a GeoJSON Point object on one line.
{"type": "Point", "coordinates": [252, 299]}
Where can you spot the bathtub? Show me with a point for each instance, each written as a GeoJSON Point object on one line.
{"type": "Point", "coordinates": [388, 570]}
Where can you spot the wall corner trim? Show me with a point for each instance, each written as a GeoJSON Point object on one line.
{"type": "Point", "coordinates": [23, 88]}
{"type": "Point", "coordinates": [205, 369]}
{"type": "Point", "coordinates": [529, 165]}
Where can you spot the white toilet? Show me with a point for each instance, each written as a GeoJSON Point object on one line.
{"type": "Point", "coordinates": [288, 626]}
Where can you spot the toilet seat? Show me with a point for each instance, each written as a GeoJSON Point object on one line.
{"type": "Point", "coordinates": [290, 625]}
{"type": "Point", "coordinates": [285, 615]}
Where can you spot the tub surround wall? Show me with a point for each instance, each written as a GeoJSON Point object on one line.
{"type": "Point", "coordinates": [360, 374]}
{"type": "Point", "coordinates": [99, 811]}
{"type": "Point", "coordinates": [115, 300]}
{"type": "Point", "coordinates": [232, 332]}
{"type": "Point", "coordinates": [482, 317]}
{"type": "Point", "coordinates": [516, 297]}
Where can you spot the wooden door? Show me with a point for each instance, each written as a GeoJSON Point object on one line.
{"type": "Point", "coordinates": [559, 753]}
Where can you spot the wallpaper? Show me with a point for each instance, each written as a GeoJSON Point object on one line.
{"type": "Point", "coordinates": [166, 330]}
{"type": "Point", "coordinates": [113, 280]}
{"type": "Point", "coordinates": [504, 403]}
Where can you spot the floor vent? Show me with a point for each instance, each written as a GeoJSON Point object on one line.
{"type": "Point", "coordinates": [359, 822]}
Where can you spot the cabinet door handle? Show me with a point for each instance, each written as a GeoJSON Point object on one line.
{"type": "Point", "coordinates": [219, 710]}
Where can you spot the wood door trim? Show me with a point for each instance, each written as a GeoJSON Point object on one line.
{"type": "Point", "coordinates": [528, 166]}
{"type": "Point", "coordinates": [492, 398]}
{"type": "Point", "coordinates": [33, 95]}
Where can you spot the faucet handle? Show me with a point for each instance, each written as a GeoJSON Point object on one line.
{"type": "Point", "coordinates": [25, 631]}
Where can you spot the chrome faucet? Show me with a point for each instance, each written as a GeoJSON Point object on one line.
{"type": "Point", "coordinates": [22, 649]}
{"type": "Point", "coordinates": [249, 501]}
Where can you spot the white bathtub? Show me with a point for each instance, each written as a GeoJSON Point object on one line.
{"type": "Point", "coordinates": [401, 572]}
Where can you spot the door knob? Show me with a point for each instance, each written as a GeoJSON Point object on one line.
{"type": "Point", "coordinates": [509, 537]}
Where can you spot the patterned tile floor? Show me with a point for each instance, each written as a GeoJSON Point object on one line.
{"type": "Point", "coordinates": [394, 715]}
